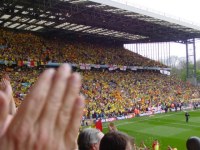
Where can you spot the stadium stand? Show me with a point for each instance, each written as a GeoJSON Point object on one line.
{"type": "Point", "coordinates": [111, 83]}
{"type": "Point", "coordinates": [39, 51]}
{"type": "Point", "coordinates": [118, 92]}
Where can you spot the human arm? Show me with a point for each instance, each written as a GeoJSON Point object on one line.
{"type": "Point", "coordinates": [5, 87]}
{"type": "Point", "coordinates": [49, 117]}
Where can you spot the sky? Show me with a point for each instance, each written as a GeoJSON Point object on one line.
{"type": "Point", "coordinates": [185, 9]}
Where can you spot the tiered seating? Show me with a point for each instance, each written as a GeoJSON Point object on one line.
{"type": "Point", "coordinates": [29, 47]}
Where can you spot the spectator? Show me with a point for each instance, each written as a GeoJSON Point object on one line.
{"type": "Point", "coordinates": [112, 127]}
{"type": "Point", "coordinates": [155, 145]}
{"type": "Point", "coordinates": [116, 141]}
{"type": "Point", "coordinates": [193, 143]}
{"type": "Point", "coordinates": [89, 139]}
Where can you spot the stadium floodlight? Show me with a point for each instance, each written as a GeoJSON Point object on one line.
{"type": "Point", "coordinates": [62, 25]}
{"type": "Point", "coordinates": [30, 27]}
{"type": "Point", "coordinates": [37, 28]}
{"type": "Point", "coordinates": [15, 18]}
{"type": "Point", "coordinates": [95, 6]}
{"type": "Point", "coordinates": [24, 19]}
{"type": "Point", "coordinates": [21, 26]}
{"type": "Point", "coordinates": [109, 10]}
{"type": "Point", "coordinates": [16, 10]}
{"type": "Point", "coordinates": [19, 7]}
{"type": "Point", "coordinates": [49, 23]}
{"type": "Point", "coordinates": [7, 23]}
{"type": "Point", "coordinates": [76, 27]}
{"type": "Point", "coordinates": [5, 16]}
{"type": "Point", "coordinates": [52, 17]}
{"type": "Point", "coordinates": [25, 12]}
{"type": "Point", "coordinates": [30, 8]}
{"type": "Point", "coordinates": [148, 19]}
{"type": "Point", "coordinates": [1, 21]}
{"type": "Point", "coordinates": [14, 25]}
{"type": "Point", "coordinates": [64, 0]}
{"type": "Point", "coordinates": [133, 15]}
{"type": "Point", "coordinates": [32, 21]}
{"type": "Point", "coordinates": [41, 22]}
{"type": "Point", "coordinates": [78, 1]}
{"type": "Point", "coordinates": [43, 15]}
{"type": "Point", "coordinates": [83, 28]}
{"type": "Point", "coordinates": [69, 26]}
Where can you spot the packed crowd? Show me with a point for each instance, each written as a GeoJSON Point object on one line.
{"type": "Point", "coordinates": [116, 92]}
{"type": "Point", "coordinates": [55, 122]}
{"type": "Point", "coordinates": [29, 47]}
{"type": "Point", "coordinates": [121, 92]}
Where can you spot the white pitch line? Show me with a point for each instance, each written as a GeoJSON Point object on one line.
{"type": "Point", "coordinates": [162, 116]}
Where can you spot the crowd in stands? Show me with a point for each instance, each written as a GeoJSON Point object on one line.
{"type": "Point", "coordinates": [107, 93]}
{"type": "Point", "coordinates": [30, 47]}
{"type": "Point", "coordinates": [117, 92]}
{"type": "Point", "coordinates": [114, 93]}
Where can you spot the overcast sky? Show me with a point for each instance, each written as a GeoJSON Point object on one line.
{"type": "Point", "coordinates": [185, 9]}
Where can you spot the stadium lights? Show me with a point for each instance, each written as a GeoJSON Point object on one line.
{"type": "Point", "coordinates": [106, 32]}
{"type": "Point", "coordinates": [32, 21]}
{"type": "Point", "coordinates": [15, 18]}
{"type": "Point", "coordinates": [62, 25]}
{"type": "Point", "coordinates": [95, 6]}
{"type": "Point", "coordinates": [7, 23]}
{"type": "Point", "coordinates": [76, 27]}
{"type": "Point", "coordinates": [21, 26]}
{"type": "Point", "coordinates": [1, 21]}
{"type": "Point", "coordinates": [133, 15]}
{"type": "Point", "coordinates": [19, 7]}
{"type": "Point", "coordinates": [83, 28]}
{"type": "Point", "coordinates": [41, 22]}
{"type": "Point", "coordinates": [24, 19]}
{"type": "Point", "coordinates": [43, 15]}
{"type": "Point", "coordinates": [49, 23]}
{"type": "Point", "coordinates": [37, 28]}
{"type": "Point", "coordinates": [52, 17]}
{"type": "Point", "coordinates": [30, 27]}
{"type": "Point", "coordinates": [5, 16]}
{"type": "Point", "coordinates": [16, 10]}
{"type": "Point", "coordinates": [69, 26]}
{"type": "Point", "coordinates": [30, 8]}
{"type": "Point", "coordinates": [64, 0]}
{"type": "Point", "coordinates": [25, 12]}
{"type": "Point", "coordinates": [14, 25]}
{"type": "Point", "coordinates": [78, 1]}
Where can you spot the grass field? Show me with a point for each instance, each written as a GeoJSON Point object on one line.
{"type": "Point", "coordinates": [170, 129]}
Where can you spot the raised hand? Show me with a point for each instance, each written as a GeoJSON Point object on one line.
{"type": "Point", "coordinates": [5, 87]}
{"type": "Point", "coordinates": [49, 118]}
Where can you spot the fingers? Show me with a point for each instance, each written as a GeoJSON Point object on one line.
{"type": "Point", "coordinates": [55, 97]}
{"type": "Point", "coordinates": [3, 111]}
{"type": "Point", "coordinates": [33, 104]}
{"type": "Point", "coordinates": [75, 121]}
{"type": "Point", "coordinates": [53, 107]}
{"type": "Point", "coordinates": [2, 85]}
{"type": "Point", "coordinates": [6, 76]}
{"type": "Point", "coordinates": [71, 94]}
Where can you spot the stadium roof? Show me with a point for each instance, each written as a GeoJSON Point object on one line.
{"type": "Point", "coordinates": [102, 18]}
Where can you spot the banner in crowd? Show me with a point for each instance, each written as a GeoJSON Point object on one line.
{"type": "Point", "coordinates": [82, 66]}
{"type": "Point", "coordinates": [112, 67]}
{"type": "Point", "coordinates": [85, 66]}
{"type": "Point", "coordinates": [123, 68]}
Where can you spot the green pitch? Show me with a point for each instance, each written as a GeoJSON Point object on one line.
{"type": "Point", "coordinates": [170, 129]}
